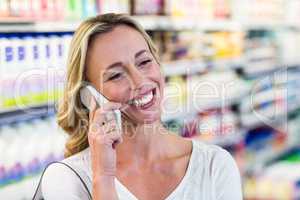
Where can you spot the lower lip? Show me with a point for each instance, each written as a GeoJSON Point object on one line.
{"type": "Point", "coordinates": [148, 105]}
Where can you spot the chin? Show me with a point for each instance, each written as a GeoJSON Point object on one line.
{"type": "Point", "coordinates": [144, 117]}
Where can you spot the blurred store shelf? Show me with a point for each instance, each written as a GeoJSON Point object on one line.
{"type": "Point", "coordinates": [189, 110]}
{"type": "Point", "coordinates": [149, 22]}
{"type": "Point", "coordinates": [230, 139]}
{"type": "Point", "coordinates": [254, 45]}
{"type": "Point", "coordinates": [15, 20]}
{"type": "Point", "coordinates": [267, 157]}
{"type": "Point", "coordinates": [193, 66]}
{"type": "Point", "coordinates": [32, 26]}
{"type": "Point", "coordinates": [23, 189]}
{"type": "Point", "coordinates": [180, 67]}
{"type": "Point", "coordinates": [229, 63]}
{"type": "Point", "coordinates": [13, 115]}
{"type": "Point", "coordinates": [267, 117]}
{"type": "Point", "coordinates": [183, 67]}
{"type": "Point", "coordinates": [178, 23]}
{"type": "Point", "coordinates": [225, 140]}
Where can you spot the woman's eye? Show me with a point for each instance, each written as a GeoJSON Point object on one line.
{"type": "Point", "coordinates": [145, 62]}
{"type": "Point", "coordinates": [115, 76]}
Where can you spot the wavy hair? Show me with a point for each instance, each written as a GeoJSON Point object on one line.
{"type": "Point", "coordinates": [72, 116]}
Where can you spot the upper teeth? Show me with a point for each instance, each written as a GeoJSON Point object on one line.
{"type": "Point", "coordinates": [144, 100]}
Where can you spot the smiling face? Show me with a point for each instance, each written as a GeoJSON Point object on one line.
{"type": "Point", "coordinates": [121, 66]}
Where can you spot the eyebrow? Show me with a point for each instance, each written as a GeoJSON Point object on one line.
{"type": "Point", "coordinates": [116, 64]}
{"type": "Point", "coordinates": [140, 53]}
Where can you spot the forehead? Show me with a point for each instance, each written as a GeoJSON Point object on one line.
{"type": "Point", "coordinates": [121, 43]}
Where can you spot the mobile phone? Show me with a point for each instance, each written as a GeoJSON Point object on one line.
{"type": "Point", "coordinates": [88, 91]}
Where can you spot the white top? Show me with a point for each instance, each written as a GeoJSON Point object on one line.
{"type": "Point", "coordinates": [212, 174]}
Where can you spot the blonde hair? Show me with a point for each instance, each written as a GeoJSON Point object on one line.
{"type": "Point", "coordinates": [72, 116]}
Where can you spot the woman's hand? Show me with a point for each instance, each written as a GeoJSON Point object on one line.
{"type": "Point", "coordinates": [103, 136]}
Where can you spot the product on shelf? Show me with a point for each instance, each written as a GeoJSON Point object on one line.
{"type": "Point", "coordinates": [216, 126]}
{"type": "Point", "coordinates": [22, 51]}
{"type": "Point", "coordinates": [188, 8]}
{"type": "Point", "coordinates": [50, 10]}
{"type": "Point", "coordinates": [293, 15]}
{"type": "Point", "coordinates": [202, 9]}
{"type": "Point", "coordinates": [176, 126]}
{"type": "Point", "coordinates": [214, 123]}
{"type": "Point", "coordinates": [32, 67]}
{"type": "Point", "coordinates": [150, 7]}
{"type": "Point", "coordinates": [280, 180]}
{"type": "Point", "coordinates": [29, 9]}
{"type": "Point", "coordinates": [74, 9]}
{"type": "Point", "coordinates": [272, 99]}
{"type": "Point", "coordinates": [184, 96]}
{"type": "Point", "coordinates": [117, 6]}
{"type": "Point", "coordinates": [293, 130]}
{"type": "Point", "coordinates": [4, 11]}
{"type": "Point", "coordinates": [175, 95]}
{"type": "Point", "coordinates": [27, 147]}
{"type": "Point", "coordinates": [185, 45]}
{"type": "Point", "coordinates": [212, 46]}
{"type": "Point", "coordinates": [181, 45]}
{"type": "Point", "coordinates": [225, 44]}
{"type": "Point", "coordinates": [191, 10]}
{"type": "Point", "coordinates": [288, 42]}
{"type": "Point", "coordinates": [261, 53]}
{"type": "Point", "coordinates": [261, 10]}
{"type": "Point", "coordinates": [222, 9]}
{"type": "Point", "coordinates": [215, 89]}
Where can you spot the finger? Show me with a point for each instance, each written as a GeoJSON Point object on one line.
{"type": "Point", "coordinates": [112, 137]}
{"type": "Point", "coordinates": [110, 127]}
{"type": "Point", "coordinates": [98, 115]}
{"type": "Point", "coordinates": [96, 127]}
{"type": "Point", "coordinates": [101, 116]}
{"type": "Point", "coordinates": [93, 107]}
{"type": "Point", "coordinates": [111, 106]}
{"type": "Point", "coordinates": [110, 115]}
{"type": "Point", "coordinates": [116, 143]}
{"type": "Point", "coordinates": [118, 140]}
{"type": "Point", "coordinates": [124, 116]}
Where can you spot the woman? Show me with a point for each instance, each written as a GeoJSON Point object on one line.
{"type": "Point", "coordinates": [143, 161]}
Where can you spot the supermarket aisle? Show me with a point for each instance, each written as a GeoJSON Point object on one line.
{"type": "Point", "coordinates": [232, 77]}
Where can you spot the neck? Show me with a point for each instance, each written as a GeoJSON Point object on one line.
{"type": "Point", "coordinates": [141, 142]}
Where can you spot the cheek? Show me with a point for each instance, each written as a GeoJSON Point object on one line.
{"type": "Point", "coordinates": [158, 76]}
{"type": "Point", "coordinates": [116, 92]}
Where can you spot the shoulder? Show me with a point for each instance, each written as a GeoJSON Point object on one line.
{"type": "Point", "coordinates": [212, 153]}
{"type": "Point", "coordinates": [79, 159]}
{"type": "Point", "coordinates": [59, 178]}
{"type": "Point", "coordinates": [221, 169]}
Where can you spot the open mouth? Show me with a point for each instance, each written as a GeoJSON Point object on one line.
{"type": "Point", "coordinates": [146, 101]}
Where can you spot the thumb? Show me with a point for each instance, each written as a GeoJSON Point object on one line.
{"type": "Point", "coordinates": [92, 107]}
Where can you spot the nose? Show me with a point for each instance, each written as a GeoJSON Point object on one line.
{"type": "Point", "coordinates": [137, 78]}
